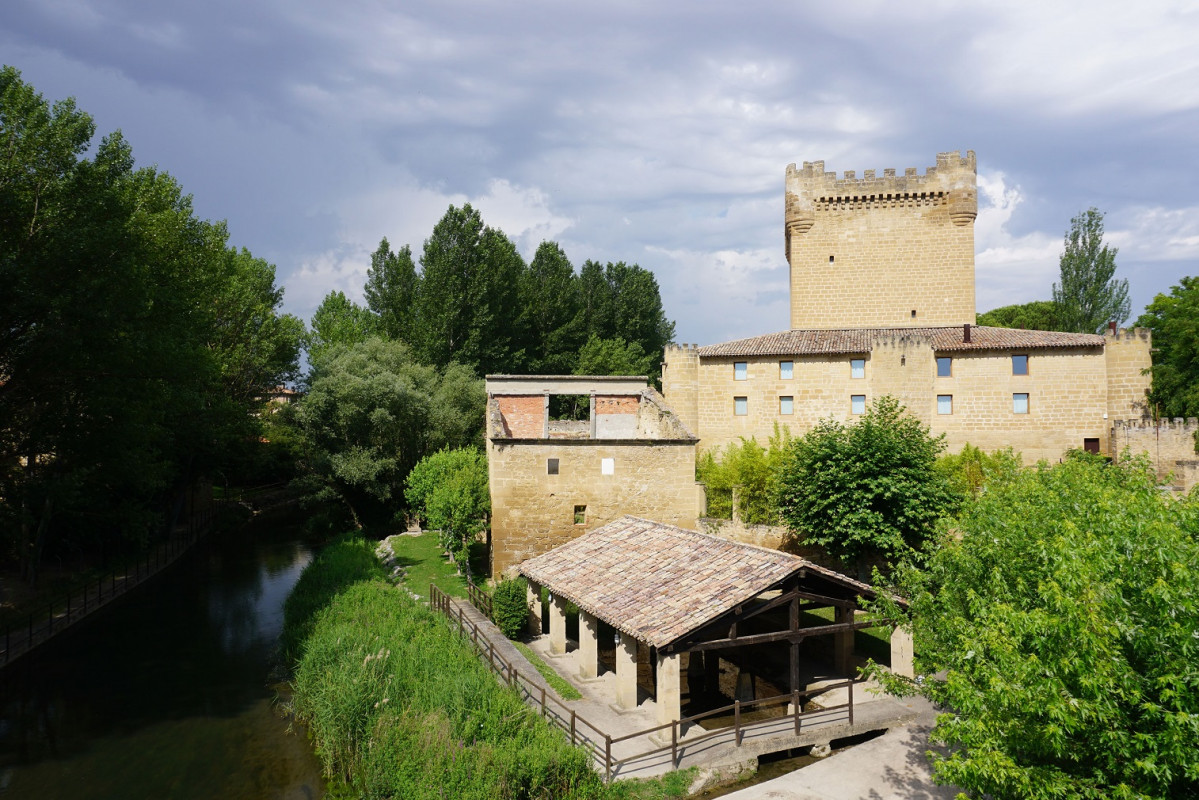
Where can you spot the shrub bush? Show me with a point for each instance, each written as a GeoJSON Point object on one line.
{"type": "Point", "coordinates": [508, 606]}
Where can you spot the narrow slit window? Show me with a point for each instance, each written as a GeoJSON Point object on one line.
{"type": "Point", "coordinates": [580, 515]}
{"type": "Point", "coordinates": [786, 405]}
{"type": "Point", "coordinates": [1020, 403]}
{"type": "Point", "coordinates": [786, 370]}
{"type": "Point", "coordinates": [857, 404]}
{"type": "Point", "coordinates": [740, 406]}
{"type": "Point", "coordinates": [740, 370]}
{"type": "Point", "coordinates": [857, 368]}
{"type": "Point", "coordinates": [551, 466]}
{"type": "Point", "coordinates": [944, 404]}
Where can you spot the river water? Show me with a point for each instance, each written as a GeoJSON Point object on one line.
{"type": "Point", "coordinates": [167, 694]}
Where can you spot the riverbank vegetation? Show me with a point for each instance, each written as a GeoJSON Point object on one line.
{"type": "Point", "coordinates": [399, 706]}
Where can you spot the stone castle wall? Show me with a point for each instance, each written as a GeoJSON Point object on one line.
{"type": "Point", "coordinates": [1169, 444]}
{"type": "Point", "coordinates": [882, 251]}
{"type": "Point", "coordinates": [534, 511]}
{"type": "Point", "coordinates": [1127, 352]}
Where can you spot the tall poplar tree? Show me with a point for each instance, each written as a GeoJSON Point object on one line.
{"type": "Point", "coordinates": [1088, 296]}
{"type": "Point", "coordinates": [390, 291]}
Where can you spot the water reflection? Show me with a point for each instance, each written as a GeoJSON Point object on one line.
{"type": "Point", "coordinates": [166, 695]}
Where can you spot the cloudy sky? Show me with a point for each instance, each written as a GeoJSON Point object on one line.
{"type": "Point", "coordinates": [655, 133]}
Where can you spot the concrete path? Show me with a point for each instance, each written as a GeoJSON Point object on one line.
{"type": "Point", "coordinates": [891, 766]}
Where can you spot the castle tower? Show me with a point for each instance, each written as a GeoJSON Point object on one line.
{"type": "Point", "coordinates": [888, 251]}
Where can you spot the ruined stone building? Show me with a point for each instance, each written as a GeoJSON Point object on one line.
{"type": "Point", "coordinates": [882, 303]}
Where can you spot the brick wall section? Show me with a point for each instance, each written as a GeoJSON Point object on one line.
{"type": "Point", "coordinates": [533, 511]}
{"type": "Point", "coordinates": [1170, 445]}
{"type": "Point", "coordinates": [523, 417]}
{"type": "Point", "coordinates": [617, 404]}
{"type": "Point", "coordinates": [896, 243]}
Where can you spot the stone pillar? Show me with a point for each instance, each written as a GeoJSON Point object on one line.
{"type": "Point", "coordinates": [588, 652]}
{"type": "Point", "coordinates": [533, 601]}
{"type": "Point", "coordinates": [901, 653]}
{"type": "Point", "coordinates": [557, 624]}
{"type": "Point", "coordinates": [843, 641]}
{"type": "Point", "coordinates": [626, 671]}
{"type": "Point", "coordinates": [669, 689]}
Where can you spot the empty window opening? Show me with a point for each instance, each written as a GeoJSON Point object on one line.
{"type": "Point", "coordinates": [786, 405]}
{"type": "Point", "coordinates": [608, 466]}
{"type": "Point", "coordinates": [944, 367]}
{"type": "Point", "coordinates": [1020, 403]}
{"type": "Point", "coordinates": [830, 259]}
{"type": "Point", "coordinates": [551, 466]}
{"type": "Point", "coordinates": [580, 515]}
{"type": "Point", "coordinates": [740, 406]}
{"type": "Point", "coordinates": [574, 407]}
{"type": "Point", "coordinates": [857, 404]}
{"type": "Point", "coordinates": [1019, 365]}
{"type": "Point", "coordinates": [857, 368]}
{"type": "Point", "coordinates": [786, 370]}
{"type": "Point", "coordinates": [740, 370]}
{"type": "Point", "coordinates": [913, 313]}
{"type": "Point", "coordinates": [944, 404]}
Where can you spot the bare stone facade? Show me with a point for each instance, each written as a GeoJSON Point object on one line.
{"type": "Point", "coordinates": [552, 481]}
{"type": "Point", "coordinates": [1170, 444]}
{"type": "Point", "coordinates": [882, 303]}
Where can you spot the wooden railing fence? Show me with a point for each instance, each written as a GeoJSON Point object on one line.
{"type": "Point", "coordinates": [599, 743]}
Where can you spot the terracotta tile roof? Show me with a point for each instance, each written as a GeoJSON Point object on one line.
{"type": "Point", "coordinates": [657, 582]}
{"type": "Point", "coordinates": [861, 340]}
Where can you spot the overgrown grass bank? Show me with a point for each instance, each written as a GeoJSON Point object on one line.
{"type": "Point", "coordinates": [399, 707]}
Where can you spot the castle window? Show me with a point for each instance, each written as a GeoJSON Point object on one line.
{"type": "Point", "coordinates": [944, 404]}
{"type": "Point", "coordinates": [786, 405]}
{"type": "Point", "coordinates": [913, 313]}
{"type": "Point", "coordinates": [1019, 365]}
{"type": "Point", "coordinates": [740, 406]}
{"type": "Point", "coordinates": [551, 466]}
{"type": "Point", "coordinates": [740, 371]}
{"type": "Point", "coordinates": [830, 259]}
{"type": "Point", "coordinates": [580, 515]}
{"type": "Point", "coordinates": [944, 367]}
{"type": "Point", "coordinates": [608, 466]}
{"type": "Point", "coordinates": [857, 404]}
{"type": "Point", "coordinates": [1090, 445]}
{"type": "Point", "coordinates": [857, 368]}
{"type": "Point", "coordinates": [1020, 403]}
{"type": "Point", "coordinates": [786, 370]}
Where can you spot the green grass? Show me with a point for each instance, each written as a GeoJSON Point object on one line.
{"type": "Point", "coordinates": [556, 681]}
{"type": "Point", "coordinates": [425, 562]}
{"type": "Point", "coordinates": [871, 642]}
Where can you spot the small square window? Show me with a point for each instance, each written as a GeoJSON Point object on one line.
{"type": "Point", "coordinates": [944, 367]}
{"type": "Point", "coordinates": [551, 466]}
{"type": "Point", "coordinates": [786, 405]}
{"type": "Point", "coordinates": [740, 370]}
{"type": "Point", "coordinates": [580, 515]}
{"type": "Point", "coordinates": [786, 370]}
{"type": "Point", "coordinates": [857, 404]}
{"type": "Point", "coordinates": [857, 368]}
{"type": "Point", "coordinates": [1019, 365]}
{"type": "Point", "coordinates": [608, 466]}
{"type": "Point", "coordinates": [740, 406]}
{"type": "Point", "coordinates": [944, 404]}
{"type": "Point", "coordinates": [1020, 403]}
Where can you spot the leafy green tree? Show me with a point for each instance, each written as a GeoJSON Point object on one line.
{"type": "Point", "coordinates": [390, 291]}
{"type": "Point", "coordinates": [371, 413]}
{"type": "Point", "coordinates": [468, 295]}
{"type": "Point", "coordinates": [1174, 320]}
{"type": "Point", "coordinates": [613, 357]}
{"type": "Point", "coordinates": [1088, 296]}
{"type": "Point", "coordinates": [749, 469]}
{"type": "Point", "coordinates": [550, 305]}
{"type": "Point", "coordinates": [449, 490]}
{"type": "Point", "coordinates": [1039, 315]}
{"type": "Point", "coordinates": [868, 490]}
{"type": "Point", "coordinates": [1062, 614]}
{"type": "Point", "coordinates": [339, 321]}
{"type": "Point", "coordinates": [969, 470]}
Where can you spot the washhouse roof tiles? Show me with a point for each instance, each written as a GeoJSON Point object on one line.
{"type": "Point", "coordinates": [658, 582]}
{"type": "Point", "coordinates": [945, 339]}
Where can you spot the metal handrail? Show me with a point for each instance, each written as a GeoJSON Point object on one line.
{"type": "Point", "coordinates": [512, 677]}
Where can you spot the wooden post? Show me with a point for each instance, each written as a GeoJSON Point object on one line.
{"type": "Point", "coordinates": [737, 721]}
{"type": "Point", "coordinates": [607, 758]}
{"type": "Point", "coordinates": [572, 726]}
{"type": "Point", "coordinates": [674, 744]}
{"type": "Point", "coordinates": [851, 702]}
{"type": "Point", "coordinates": [795, 707]}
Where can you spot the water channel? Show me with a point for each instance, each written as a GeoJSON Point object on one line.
{"type": "Point", "coordinates": [169, 693]}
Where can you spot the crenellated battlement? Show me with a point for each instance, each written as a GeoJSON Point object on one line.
{"type": "Point", "coordinates": [952, 171]}
{"type": "Point", "coordinates": [1127, 335]}
{"type": "Point", "coordinates": [1187, 426]}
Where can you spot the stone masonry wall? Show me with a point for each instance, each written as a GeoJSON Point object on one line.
{"type": "Point", "coordinates": [1127, 352]}
{"type": "Point", "coordinates": [869, 252]}
{"type": "Point", "coordinates": [533, 511]}
{"type": "Point", "coordinates": [1170, 445]}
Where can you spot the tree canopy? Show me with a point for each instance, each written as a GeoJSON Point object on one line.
{"type": "Point", "coordinates": [867, 490]}
{"type": "Point", "coordinates": [1062, 613]}
{"type": "Point", "coordinates": [1088, 296]}
{"type": "Point", "coordinates": [1174, 320]}
{"type": "Point", "coordinates": [1039, 315]}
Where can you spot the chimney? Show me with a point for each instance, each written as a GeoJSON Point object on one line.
{"type": "Point", "coordinates": [966, 333]}
{"type": "Point", "coordinates": [1111, 327]}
